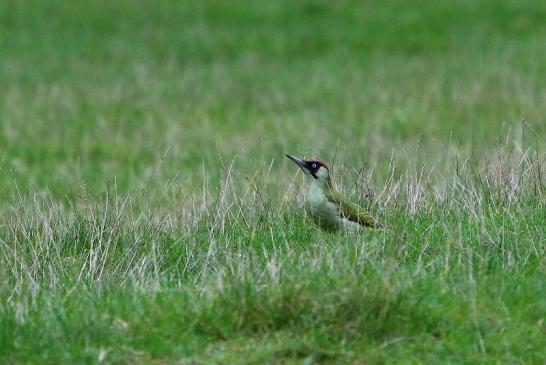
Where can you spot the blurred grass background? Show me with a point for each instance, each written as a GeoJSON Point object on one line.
{"type": "Point", "coordinates": [196, 103]}
{"type": "Point", "coordinates": [96, 91]}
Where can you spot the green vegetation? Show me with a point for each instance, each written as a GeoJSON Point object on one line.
{"type": "Point", "coordinates": [148, 215]}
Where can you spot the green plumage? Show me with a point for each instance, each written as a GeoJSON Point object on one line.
{"type": "Point", "coordinates": [350, 210]}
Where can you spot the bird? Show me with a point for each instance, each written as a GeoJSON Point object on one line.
{"type": "Point", "coordinates": [330, 209]}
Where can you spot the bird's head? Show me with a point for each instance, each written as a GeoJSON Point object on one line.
{"type": "Point", "coordinates": [316, 170]}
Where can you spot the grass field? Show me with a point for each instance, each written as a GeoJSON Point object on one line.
{"type": "Point", "coordinates": [148, 215]}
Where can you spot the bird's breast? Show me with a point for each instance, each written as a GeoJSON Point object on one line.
{"type": "Point", "coordinates": [324, 212]}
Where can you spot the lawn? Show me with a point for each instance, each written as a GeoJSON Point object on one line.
{"type": "Point", "coordinates": [148, 214]}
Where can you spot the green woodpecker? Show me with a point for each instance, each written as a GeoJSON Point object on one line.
{"type": "Point", "coordinates": [330, 209]}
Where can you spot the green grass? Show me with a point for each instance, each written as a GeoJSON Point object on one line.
{"type": "Point", "coordinates": [148, 215]}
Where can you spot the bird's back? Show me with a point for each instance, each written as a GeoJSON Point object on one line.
{"type": "Point", "coordinates": [350, 210]}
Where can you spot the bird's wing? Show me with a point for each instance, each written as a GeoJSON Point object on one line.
{"type": "Point", "coordinates": [352, 211]}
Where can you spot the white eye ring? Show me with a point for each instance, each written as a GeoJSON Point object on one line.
{"type": "Point", "coordinates": [314, 165]}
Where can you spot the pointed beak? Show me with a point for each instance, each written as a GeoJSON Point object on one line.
{"type": "Point", "coordinates": [298, 161]}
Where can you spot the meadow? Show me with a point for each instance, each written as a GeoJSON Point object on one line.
{"type": "Point", "coordinates": [148, 214]}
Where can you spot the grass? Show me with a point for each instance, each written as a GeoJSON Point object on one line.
{"type": "Point", "coordinates": [147, 213]}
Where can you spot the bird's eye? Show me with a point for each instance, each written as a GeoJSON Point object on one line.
{"type": "Point", "coordinates": [314, 165]}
